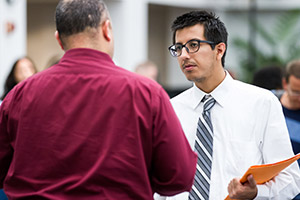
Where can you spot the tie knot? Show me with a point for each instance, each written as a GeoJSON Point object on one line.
{"type": "Point", "coordinates": [209, 102]}
{"type": "Point", "coordinates": [205, 97]}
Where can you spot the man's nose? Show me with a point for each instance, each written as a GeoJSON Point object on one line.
{"type": "Point", "coordinates": [185, 53]}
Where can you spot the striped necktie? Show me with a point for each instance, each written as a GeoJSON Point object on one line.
{"type": "Point", "coordinates": [204, 149]}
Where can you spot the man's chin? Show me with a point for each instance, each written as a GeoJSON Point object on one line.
{"type": "Point", "coordinates": [195, 79]}
{"type": "Point", "coordinates": [297, 106]}
{"type": "Point", "coordinates": [190, 78]}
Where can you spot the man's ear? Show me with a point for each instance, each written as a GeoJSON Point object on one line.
{"type": "Point", "coordinates": [107, 30]}
{"type": "Point", "coordinates": [220, 49]}
{"type": "Point", "coordinates": [284, 83]}
{"type": "Point", "coordinates": [58, 40]}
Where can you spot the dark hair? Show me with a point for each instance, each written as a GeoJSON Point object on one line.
{"type": "Point", "coordinates": [11, 81]}
{"type": "Point", "coordinates": [292, 68]}
{"type": "Point", "coordinates": [74, 16]}
{"type": "Point", "coordinates": [214, 29]}
{"type": "Point", "coordinates": [269, 77]}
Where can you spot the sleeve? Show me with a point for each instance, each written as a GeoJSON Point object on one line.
{"type": "Point", "coordinates": [5, 148]}
{"type": "Point", "coordinates": [276, 147]}
{"type": "Point", "coordinates": [174, 162]}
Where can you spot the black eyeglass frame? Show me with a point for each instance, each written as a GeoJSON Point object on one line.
{"type": "Point", "coordinates": [212, 44]}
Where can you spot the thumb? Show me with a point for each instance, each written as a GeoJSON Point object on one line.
{"type": "Point", "coordinates": [251, 180]}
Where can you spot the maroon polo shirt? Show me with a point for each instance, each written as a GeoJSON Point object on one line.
{"type": "Point", "coordinates": [88, 129]}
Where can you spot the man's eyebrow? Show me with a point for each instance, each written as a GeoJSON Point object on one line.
{"type": "Point", "coordinates": [189, 40]}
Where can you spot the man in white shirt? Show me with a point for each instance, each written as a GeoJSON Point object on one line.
{"type": "Point", "coordinates": [248, 126]}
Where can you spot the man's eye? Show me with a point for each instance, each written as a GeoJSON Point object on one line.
{"type": "Point", "coordinates": [178, 47]}
{"type": "Point", "coordinates": [193, 44]}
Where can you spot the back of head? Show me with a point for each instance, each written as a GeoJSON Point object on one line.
{"type": "Point", "coordinates": [214, 28]}
{"type": "Point", "coordinates": [269, 77]}
{"type": "Point", "coordinates": [292, 68]}
{"type": "Point", "coordinates": [76, 16]}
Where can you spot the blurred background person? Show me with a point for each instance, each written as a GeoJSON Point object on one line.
{"type": "Point", "coordinates": [269, 77]}
{"type": "Point", "coordinates": [290, 101]}
{"type": "Point", "coordinates": [148, 69]}
{"type": "Point", "coordinates": [291, 84]}
{"type": "Point", "coordinates": [21, 70]}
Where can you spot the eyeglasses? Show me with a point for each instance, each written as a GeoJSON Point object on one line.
{"type": "Point", "coordinates": [293, 92]}
{"type": "Point", "coordinates": [192, 46]}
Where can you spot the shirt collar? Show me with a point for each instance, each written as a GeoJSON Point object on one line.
{"type": "Point", "coordinates": [87, 54]}
{"type": "Point", "coordinates": [220, 93]}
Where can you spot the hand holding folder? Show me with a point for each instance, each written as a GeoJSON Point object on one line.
{"type": "Point", "coordinates": [264, 173]}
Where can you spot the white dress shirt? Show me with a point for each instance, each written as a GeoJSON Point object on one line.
{"type": "Point", "coordinates": [249, 129]}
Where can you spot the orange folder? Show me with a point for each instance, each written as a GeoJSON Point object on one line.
{"type": "Point", "coordinates": [264, 173]}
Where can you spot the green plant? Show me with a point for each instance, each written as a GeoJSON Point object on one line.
{"type": "Point", "coordinates": [281, 42]}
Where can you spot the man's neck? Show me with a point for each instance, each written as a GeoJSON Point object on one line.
{"type": "Point", "coordinates": [210, 84]}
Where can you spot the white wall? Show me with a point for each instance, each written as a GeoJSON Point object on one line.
{"type": "Point", "coordinates": [134, 42]}
{"type": "Point", "coordinates": [42, 45]}
{"type": "Point", "coordinates": [130, 21]}
{"type": "Point", "coordinates": [12, 45]}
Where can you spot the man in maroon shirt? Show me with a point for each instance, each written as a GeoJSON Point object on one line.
{"type": "Point", "coordinates": [88, 129]}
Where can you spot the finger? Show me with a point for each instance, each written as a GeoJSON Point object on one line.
{"type": "Point", "coordinates": [229, 187]}
{"type": "Point", "coordinates": [251, 180]}
{"type": "Point", "coordinates": [236, 182]}
{"type": "Point", "coordinates": [233, 187]}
